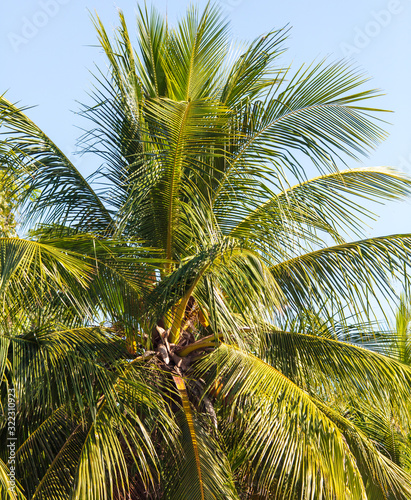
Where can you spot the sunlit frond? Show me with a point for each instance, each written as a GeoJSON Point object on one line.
{"type": "Point", "coordinates": [204, 473]}
{"type": "Point", "coordinates": [324, 366]}
{"type": "Point", "coordinates": [351, 273]}
{"type": "Point", "coordinates": [282, 441]}
{"type": "Point", "coordinates": [9, 491]}
{"type": "Point", "coordinates": [326, 204]}
{"type": "Point", "coordinates": [50, 188]}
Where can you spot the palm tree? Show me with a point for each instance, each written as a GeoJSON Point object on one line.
{"type": "Point", "coordinates": [149, 315]}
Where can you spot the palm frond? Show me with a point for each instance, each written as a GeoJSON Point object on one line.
{"type": "Point", "coordinates": [48, 185]}
{"type": "Point", "coordinates": [153, 35]}
{"type": "Point", "coordinates": [324, 203]}
{"type": "Point", "coordinates": [382, 475]}
{"type": "Point", "coordinates": [351, 273]}
{"type": "Point", "coordinates": [33, 274]}
{"type": "Point", "coordinates": [204, 474]}
{"type": "Point", "coordinates": [9, 491]}
{"type": "Point", "coordinates": [254, 70]}
{"type": "Point", "coordinates": [325, 366]}
{"type": "Point", "coordinates": [314, 116]}
{"type": "Point", "coordinates": [197, 49]}
{"type": "Point", "coordinates": [282, 441]}
{"type": "Point", "coordinates": [225, 265]}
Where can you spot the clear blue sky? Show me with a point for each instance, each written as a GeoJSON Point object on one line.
{"type": "Point", "coordinates": [46, 54]}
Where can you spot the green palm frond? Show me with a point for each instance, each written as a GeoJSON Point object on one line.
{"type": "Point", "coordinates": [204, 474]}
{"type": "Point", "coordinates": [116, 117]}
{"type": "Point", "coordinates": [103, 417]}
{"type": "Point", "coordinates": [324, 366]}
{"type": "Point", "coordinates": [9, 491]}
{"type": "Point", "coordinates": [397, 343]}
{"type": "Point", "coordinates": [350, 273]}
{"type": "Point", "coordinates": [33, 274]}
{"type": "Point", "coordinates": [52, 367]}
{"type": "Point", "coordinates": [225, 264]}
{"type": "Point", "coordinates": [197, 50]}
{"type": "Point", "coordinates": [58, 475]}
{"type": "Point", "coordinates": [50, 188]}
{"type": "Point", "coordinates": [182, 126]}
{"type": "Point", "coordinates": [282, 442]}
{"type": "Point", "coordinates": [383, 477]}
{"type": "Point", "coordinates": [314, 113]}
{"type": "Point", "coordinates": [324, 203]}
{"type": "Point", "coordinates": [152, 33]}
{"type": "Point", "coordinates": [46, 441]}
{"type": "Point", "coordinates": [254, 71]}
{"type": "Point", "coordinates": [392, 340]}
{"type": "Point", "coordinates": [78, 276]}
{"type": "Point", "coordinates": [123, 67]}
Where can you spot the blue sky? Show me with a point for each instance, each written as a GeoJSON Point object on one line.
{"type": "Point", "coordinates": [47, 53]}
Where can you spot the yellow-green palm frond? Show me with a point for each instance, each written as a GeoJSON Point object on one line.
{"type": "Point", "coordinates": [350, 274]}
{"type": "Point", "coordinates": [203, 472]}
{"type": "Point", "coordinates": [326, 366]}
{"type": "Point", "coordinates": [323, 205]}
{"type": "Point", "coordinates": [9, 490]}
{"type": "Point", "coordinates": [47, 184]}
{"type": "Point", "coordinates": [282, 442]}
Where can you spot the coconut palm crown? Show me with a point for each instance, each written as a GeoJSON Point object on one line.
{"type": "Point", "coordinates": [155, 324]}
